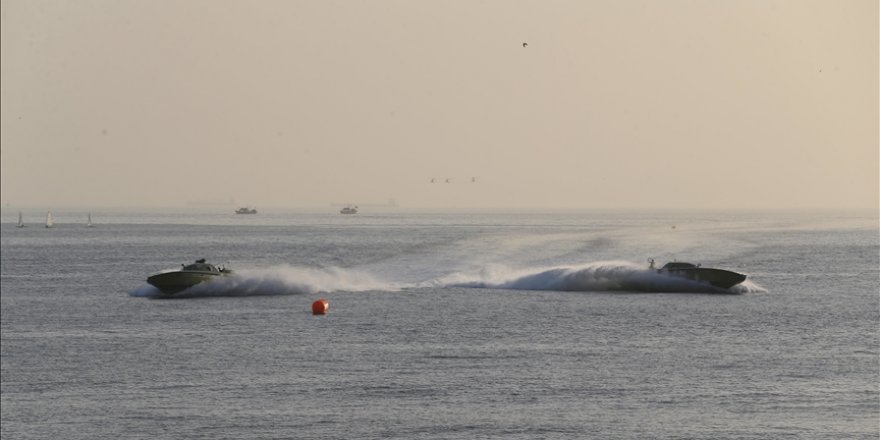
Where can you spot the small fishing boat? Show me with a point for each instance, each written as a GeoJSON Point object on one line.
{"type": "Point", "coordinates": [246, 211]}
{"type": "Point", "coordinates": [349, 210]}
{"type": "Point", "coordinates": [189, 275]}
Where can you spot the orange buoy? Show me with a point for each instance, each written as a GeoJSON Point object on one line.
{"type": "Point", "coordinates": [320, 307]}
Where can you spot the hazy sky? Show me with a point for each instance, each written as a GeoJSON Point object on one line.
{"type": "Point", "coordinates": [644, 104]}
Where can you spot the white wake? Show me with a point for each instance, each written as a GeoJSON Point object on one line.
{"type": "Point", "coordinates": [278, 280]}
{"type": "Point", "coordinates": [592, 277]}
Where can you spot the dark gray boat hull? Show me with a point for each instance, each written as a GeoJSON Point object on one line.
{"type": "Point", "coordinates": [170, 283]}
{"type": "Point", "coordinates": [723, 279]}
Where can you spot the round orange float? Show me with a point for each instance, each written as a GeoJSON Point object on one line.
{"type": "Point", "coordinates": [320, 307]}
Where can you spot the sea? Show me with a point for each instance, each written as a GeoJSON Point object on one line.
{"type": "Point", "coordinates": [441, 325]}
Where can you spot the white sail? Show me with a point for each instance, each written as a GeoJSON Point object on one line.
{"type": "Point", "coordinates": [20, 221]}
{"type": "Point", "coordinates": [89, 224]}
{"type": "Point", "coordinates": [49, 222]}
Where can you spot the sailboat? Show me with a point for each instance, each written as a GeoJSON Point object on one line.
{"type": "Point", "coordinates": [20, 222]}
{"type": "Point", "coordinates": [49, 222]}
{"type": "Point", "coordinates": [89, 224]}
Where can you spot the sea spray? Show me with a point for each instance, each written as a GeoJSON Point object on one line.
{"type": "Point", "coordinates": [605, 276]}
{"type": "Point", "coordinates": [278, 280]}
{"type": "Point", "coordinates": [593, 277]}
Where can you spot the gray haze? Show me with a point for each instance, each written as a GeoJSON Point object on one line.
{"type": "Point", "coordinates": [680, 104]}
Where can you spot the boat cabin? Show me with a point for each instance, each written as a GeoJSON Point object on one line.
{"type": "Point", "coordinates": [678, 266]}
{"type": "Point", "coordinates": [201, 266]}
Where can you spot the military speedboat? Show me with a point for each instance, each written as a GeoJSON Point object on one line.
{"type": "Point", "coordinates": [189, 275]}
{"type": "Point", "coordinates": [720, 278]}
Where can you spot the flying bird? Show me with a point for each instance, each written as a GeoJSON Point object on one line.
{"type": "Point", "coordinates": [525, 44]}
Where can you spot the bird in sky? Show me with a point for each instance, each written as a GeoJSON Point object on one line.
{"type": "Point", "coordinates": [525, 44]}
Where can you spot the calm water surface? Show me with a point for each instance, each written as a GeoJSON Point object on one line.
{"type": "Point", "coordinates": [453, 326]}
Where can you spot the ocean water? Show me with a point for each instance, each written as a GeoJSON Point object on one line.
{"type": "Point", "coordinates": [523, 325]}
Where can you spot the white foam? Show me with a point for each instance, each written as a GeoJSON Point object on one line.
{"type": "Point", "coordinates": [592, 277]}
{"type": "Point", "coordinates": [278, 280]}
{"type": "Point", "coordinates": [604, 276]}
